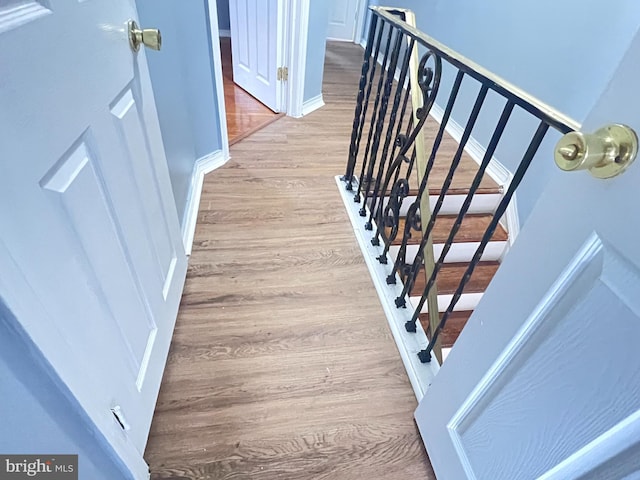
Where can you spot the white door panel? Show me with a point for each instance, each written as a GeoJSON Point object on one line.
{"type": "Point", "coordinates": [544, 381]}
{"type": "Point", "coordinates": [342, 20]}
{"type": "Point", "coordinates": [256, 38]}
{"type": "Point", "coordinates": [88, 218]}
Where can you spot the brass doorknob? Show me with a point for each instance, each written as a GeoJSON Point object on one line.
{"type": "Point", "coordinates": [606, 153]}
{"type": "Point", "coordinates": [150, 37]}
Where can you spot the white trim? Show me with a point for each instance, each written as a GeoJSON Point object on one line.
{"type": "Point", "coordinates": [409, 344]}
{"type": "Point", "coordinates": [217, 71]}
{"type": "Point", "coordinates": [466, 302]}
{"type": "Point", "coordinates": [361, 17]}
{"type": "Point", "coordinates": [511, 220]}
{"type": "Point", "coordinates": [344, 40]}
{"type": "Point", "coordinates": [451, 204]}
{"type": "Point", "coordinates": [224, 33]}
{"type": "Point", "coordinates": [284, 37]}
{"type": "Point", "coordinates": [496, 170]}
{"type": "Point", "coordinates": [458, 251]}
{"type": "Point", "coordinates": [298, 33]}
{"type": "Point", "coordinates": [312, 105]}
{"type": "Point", "coordinates": [202, 166]}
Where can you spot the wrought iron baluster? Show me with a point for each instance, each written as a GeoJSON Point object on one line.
{"type": "Point", "coordinates": [358, 118]}
{"type": "Point", "coordinates": [417, 263]}
{"type": "Point", "coordinates": [392, 120]}
{"type": "Point", "coordinates": [425, 355]}
{"type": "Point", "coordinates": [375, 114]}
{"type": "Point", "coordinates": [429, 83]}
{"type": "Point", "coordinates": [362, 103]}
{"type": "Point", "coordinates": [491, 148]}
{"type": "Point", "coordinates": [413, 209]}
{"type": "Point", "coordinates": [399, 143]}
{"type": "Point", "coordinates": [401, 140]}
{"type": "Point", "coordinates": [380, 125]}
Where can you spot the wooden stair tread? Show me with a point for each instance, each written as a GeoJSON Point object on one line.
{"type": "Point", "coordinates": [472, 229]}
{"type": "Point", "coordinates": [455, 324]}
{"type": "Point", "coordinates": [450, 275]}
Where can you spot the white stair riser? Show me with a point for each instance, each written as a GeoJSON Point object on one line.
{"type": "Point", "coordinates": [481, 203]}
{"type": "Point", "coordinates": [467, 301]}
{"type": "Point", "coordinates": [459, 252]}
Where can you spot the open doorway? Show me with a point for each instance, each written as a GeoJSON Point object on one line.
{"type": "Point", "coordinates": [245, 114]}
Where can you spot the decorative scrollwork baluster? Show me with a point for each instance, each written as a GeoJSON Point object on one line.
{"type": "Point", "coordinates": [429, 83]}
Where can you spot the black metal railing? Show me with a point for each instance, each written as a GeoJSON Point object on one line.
{"type": "Point", "coordinates": [384, 172]}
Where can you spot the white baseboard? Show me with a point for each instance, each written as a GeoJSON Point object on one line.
{"type": "Point", "coordinates": [224, 33]}
{"type": "Point", "coordinates": [312, 104]}
{"type": "Point", "coordinates": [203, 165]}
{"type": "Point", "coordinates": [452, 204]}
{"type": "Point", "coordinates": [343, 40]}
{"type": "Point", "coordinates": [459, 252]}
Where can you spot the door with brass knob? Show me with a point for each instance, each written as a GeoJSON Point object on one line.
{"type": "Point", "coordinates": [91, 249]}
{"type": "Point", "coordinates": [544, 381]}
{"type": "Point", "coordinates": [149, 37]}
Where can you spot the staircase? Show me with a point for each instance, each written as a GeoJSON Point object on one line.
{"type": "Point", "coordinates": [473, 227]}
{"type": "Point", "coordinates": [428, 216]}
{"type": "Point", "coordinates": [457, 262]}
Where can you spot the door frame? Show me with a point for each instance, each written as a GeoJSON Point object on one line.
{"type": "Point", "coordinates": [217, 73]}
{"type": "Point", "coordinates": [294, 18]}
{"type": "Point", "coordinates": [360, 21]}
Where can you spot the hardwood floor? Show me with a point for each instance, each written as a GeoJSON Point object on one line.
{"type": "Point", "coordinates": [282, 364]}
{"type": "Point", "coordinates": [245, 114]}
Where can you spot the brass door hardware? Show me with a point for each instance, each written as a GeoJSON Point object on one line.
{"type": "Point", "coordinates": [149, 37]}
{"type": "Point", "coordinates": [606, 153]}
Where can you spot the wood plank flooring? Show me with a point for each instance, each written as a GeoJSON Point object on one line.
{"type": "Point", "coordinates": [245, 115]}
{"type": "Point", "coordinates": [282, 364]}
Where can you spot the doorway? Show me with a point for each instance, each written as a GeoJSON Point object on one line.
{"type": "Point", "coordinates": [244, 113]}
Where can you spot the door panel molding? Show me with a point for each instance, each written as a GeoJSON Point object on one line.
{"type": "Point", "coordinates": [584, 270]}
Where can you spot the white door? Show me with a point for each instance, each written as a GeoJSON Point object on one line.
{"type": "Point", "coordinates": [342, 20]}
{"type": "Point", "coordinates": [256, 40]}
{"type": "Point", "coordinates": [90, 250]}
{"type": "Point", "coordinates": [544, 381]}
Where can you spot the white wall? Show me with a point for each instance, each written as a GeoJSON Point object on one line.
{"type": "Point", "coordinates": [562, 52]}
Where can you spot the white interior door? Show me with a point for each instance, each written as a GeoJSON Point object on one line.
{"type": "Point", "coordinates": [90, 249]}
{"type": "Point", "coordinates": [544, 381]}
{"type": "Point", "coordinates": [343, 17]}
{"type": "Point", "coordinates": [256, 40]}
